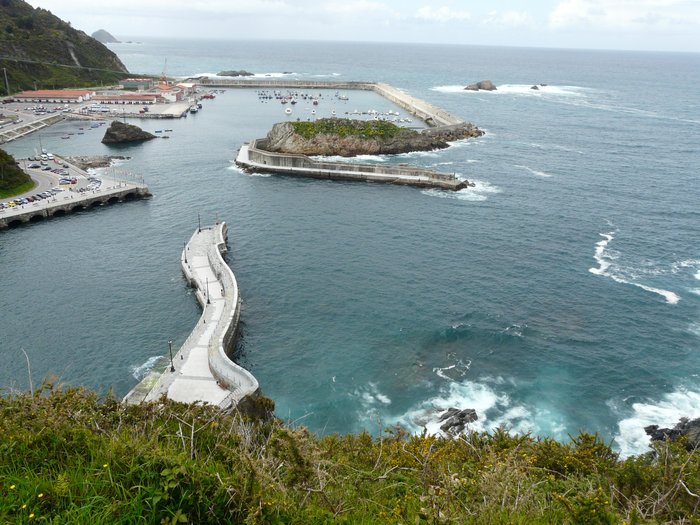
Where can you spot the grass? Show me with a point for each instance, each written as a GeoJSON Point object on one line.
{"type": "Point", "coordinates": [68, 456]}
{"type": "Point", "coordinates": [347, 127]}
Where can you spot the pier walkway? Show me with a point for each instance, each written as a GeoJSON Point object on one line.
{"type": "Point", "coordinates": [110, 191]}
{"type": "Point", "coordinates": [201, 371]}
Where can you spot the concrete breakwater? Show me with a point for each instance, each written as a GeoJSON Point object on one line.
{"type": "Point", "coordinates": [430, 114]}
{"type": "Point", "coordinates": [254, 157]}
{"type": "Point", "coordinates": [201, 371]}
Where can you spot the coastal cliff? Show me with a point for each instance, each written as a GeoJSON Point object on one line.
{"type": "Point", "coordinates": [348, 137]}
{"type": "Point", "coordinates": [39, 50]}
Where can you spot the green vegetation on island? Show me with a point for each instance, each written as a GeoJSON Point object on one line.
{"type": "Point", "coordinates": [40, 51]}
{"type": "Point", "coordinates": [347, 128]}
{"type": "Point", "coordinates": [68, 457]}
{"type": "Point", "coordinates": [13, 180]}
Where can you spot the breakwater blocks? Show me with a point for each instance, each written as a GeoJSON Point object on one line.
{"type": "Point", "coordinates": [201, 371]}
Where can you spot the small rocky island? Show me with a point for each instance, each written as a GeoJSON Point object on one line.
{"type": "Point", "coordinates": [482, 85]}
{"type": "Point", "coordinates": [105, 37]}
{"type": "Point", "coordinates": [233, 73]}
{"type": "Point", "coordinates": [122, 133]}
{"type": "Point", "coordinates": [349, 137]}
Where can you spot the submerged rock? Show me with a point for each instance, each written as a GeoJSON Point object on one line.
{"type": "Point", "coordinates": [120, 133]}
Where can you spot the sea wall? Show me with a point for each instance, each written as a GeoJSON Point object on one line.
{"type": "Point", "coordinates": [254, 157]}
{"type": "Point", "coordinates": [229, 374]}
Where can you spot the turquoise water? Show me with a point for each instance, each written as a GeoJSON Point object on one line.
{"type": "Point", "coordinates": [561, 294]}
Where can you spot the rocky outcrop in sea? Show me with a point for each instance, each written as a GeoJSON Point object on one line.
{"type": "Point", "coordinates": [282, 138]}
{"type": "Point", "coordinates": [483, 85]}
{"type": "Point", "coordinates": [689, 428]}
{"type": "Point", "coordinates": [121, 133]}
{"type": "Point", "coordinates": [233, 73]}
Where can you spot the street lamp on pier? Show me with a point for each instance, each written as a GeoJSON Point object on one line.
{"type": "Point", "coordinates": [199, 223]}
{"type": "Point", "coordinates": [170, 347]}
{"type": "Point", "coordinates": [208, 301]}
{"type": "Point", "coordinates": [184, 250]}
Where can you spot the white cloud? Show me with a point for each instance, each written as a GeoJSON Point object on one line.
{"type": "Point", "coordinates": [624, 14]}
{"type": "Point", "coordinates": [441, 14]}
{"type": "Point", "coordinates": [357, 7]}
{"type": "Point", "coordinates": [508, 19]}
{"type": "Point", "coordinates": [167, 8]}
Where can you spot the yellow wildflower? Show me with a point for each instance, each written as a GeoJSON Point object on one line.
{"type": "Point", "coordinates": [105, 465]}
{"type": "Point", "coordinates": [41, 495]}
{"type": "Point", "coordinates": [12, 487]}
{"type": "Point", "coordinates": [31, 516]}
{"type": "Point", "coordinates": [24, 506]}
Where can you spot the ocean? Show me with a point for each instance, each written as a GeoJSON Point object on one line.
{"type": "Point", "coordinates": [560, 294]}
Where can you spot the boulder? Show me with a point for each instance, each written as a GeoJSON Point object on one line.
{"type": "Point", "coordinates": [535, 87]}
{"type": "Point", "coordinates": [120, 133]}
{"type": "Point", "coordinates": [455, 420]}
{"type": "Point", "coordinates": [690, 428]}
{"type": "Point", "coordinates": [484, 85]}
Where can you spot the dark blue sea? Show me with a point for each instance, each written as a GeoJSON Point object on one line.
{"type": "Point", "coordinates": [560, 294]}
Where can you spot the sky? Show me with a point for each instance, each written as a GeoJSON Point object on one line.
{"type": "Point", "coordinates": [658, 25]}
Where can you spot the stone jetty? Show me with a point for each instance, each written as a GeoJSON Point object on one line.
{"type": "Point", "coordinates": [201, 370]}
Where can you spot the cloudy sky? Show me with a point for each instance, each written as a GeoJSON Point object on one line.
{"type": "Point", "coordinates": [664, 25]}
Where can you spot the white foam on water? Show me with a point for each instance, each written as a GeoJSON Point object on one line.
{"type": "Point", "coordinates": [141, 371]}
{"type": "Point", "coordinates": [600, 254]}
{"type": "Point", "coordinates": [459, 369]}
{"type": "Point", "coordinates": [534, 172]}
{"type": "Point", "coordinates": [671, 297]}
{"type": "Point", "coordinates": [477, 193]}
{"type": "Point", "coordinates": [605, 260]}
{"type": "Point", "coordinates": [695, 291]}
{"type": "Point", "coordinates": [356, 158]}
{"type": "Point", "coordinates": [526, 89]}
{"type": "Point", "coordinates": [448, 89]}
{"type": "Point", "coordinates": [631, 438]}
{"type": "Point", "coordinates": [695, 327]}
{"type": "Point", "coordinates": [492, 408]}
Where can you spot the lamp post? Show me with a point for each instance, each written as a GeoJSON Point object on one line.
{"type": "Point", "coordinates": [208, 301]}
{"type": "Point", "coordinates": [184, 250]}
{"type": "Point", "coordinates": [199, 223]}
{"type": "Point", "coordinates": [170, 347]}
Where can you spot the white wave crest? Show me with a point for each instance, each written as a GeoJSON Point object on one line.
{"type": "Point", "coordinates": [141, 371]}
{"type": "Point", "coordinates": [534, 172]}
{"type": "Point", "coordinates": [605, 259]}
{"type": "Point", "coordinates": [631, 438]}
{"type": "Point", "coordinates": [477, 193]}
{"type": "Point", "coordinates": [459, 369]}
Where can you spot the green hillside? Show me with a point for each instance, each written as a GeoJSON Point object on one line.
{"type": "Point", "coordinates": [68, 457]}
{"type": "Point", "coordinates": [13, 180]}
{"type": "Point", "coordinates": [40, 50]}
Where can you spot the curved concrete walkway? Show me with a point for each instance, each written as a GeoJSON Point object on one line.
{"type": "Point", "coordinates": [201, 371]}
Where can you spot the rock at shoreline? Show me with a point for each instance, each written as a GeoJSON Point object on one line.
{"type": "Point", "coordinates": [283, 138]}
{"type": "Point", "coordinates": [484, 85]}
{"type": "Point", "coordinates": [232, 73]}
{"type": "Point", "coordinates": [690, 428]}
{"type": "Point", "coordinates": [455, 420]}
{"type": "Point", "coordinates": [97, 161]}
{"type": "Point", "coordinates": [121, 133]}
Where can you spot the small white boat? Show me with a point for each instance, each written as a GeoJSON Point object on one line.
{"type": "Point", "coordinates": [288, 111]}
